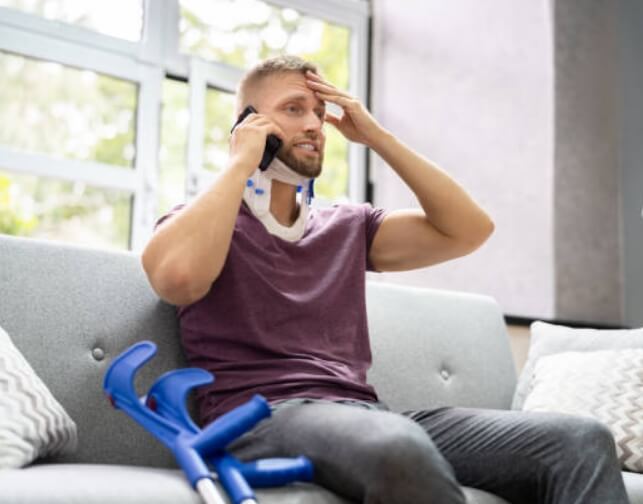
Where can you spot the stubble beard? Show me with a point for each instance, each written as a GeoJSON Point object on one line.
{"type": "Point", "coordinates": [307, 167]}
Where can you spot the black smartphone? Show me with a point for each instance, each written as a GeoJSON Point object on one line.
{"type": "Point", "coordinates": [273, 143]}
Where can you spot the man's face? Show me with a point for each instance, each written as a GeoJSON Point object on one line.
{"type": "Point", "coordinates": [291, 104]}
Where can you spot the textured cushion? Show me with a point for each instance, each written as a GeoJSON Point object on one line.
{"type": "Point", "coordinates": [549, 339]}
{"type": "Point", "coordinates": [605, 385]}
{"type": "Point", "coordinates": [32, 423]}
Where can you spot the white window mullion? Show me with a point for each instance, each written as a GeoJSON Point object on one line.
{"type": "Point", "coordinates": [147, 161]}
{"type": "Point", "coordinates": [174, 62]}
{"type": "Point", "coordinates": [198, 86]}
{"type": "Point", "coordinates": [344, 12]}
{"type": "Point", "coordinates": [93, 173]}
{"type": "Point", "coordinates": [359, 88]}
{"type": "Point", "coordinates": [67, 53]}
{"type": "Point", "coordinates": [153, 32]}
{"type": "Point", "coordinates": [81, 37]}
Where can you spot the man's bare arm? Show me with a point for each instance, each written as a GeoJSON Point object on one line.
{"type": "Point", "coordinates": [187, 252]}
{"type": "Point", "coordinates": [446, 204]}
{"type": "Point", "coordinates": [451, 224]}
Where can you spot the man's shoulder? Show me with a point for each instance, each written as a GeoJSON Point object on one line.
{"type": "Point", "coordinates": [346, 213]}
{"type": "Point", "coordinates": [170, 213]}
{"type": "Point", "coordinates": [344, 208]}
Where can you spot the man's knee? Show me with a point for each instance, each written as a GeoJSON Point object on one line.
{"type": "Point", "coordinates": [582, 436]}
{"type": "Point", "coordinates": [406, 446]}
{"type": "Point", "coordinates": [405, 461]}
{"type": "Point", "coordinates": [594, 436]}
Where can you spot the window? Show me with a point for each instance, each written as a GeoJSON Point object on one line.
{"type": "Point", "coordinates": [103, 129]}
{"type": "Point", "coordinates": [52, 109]}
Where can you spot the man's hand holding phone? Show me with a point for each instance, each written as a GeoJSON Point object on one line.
{"type": "Point", "coordinates": [254, 142]}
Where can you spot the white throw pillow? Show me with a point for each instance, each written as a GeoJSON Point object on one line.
{"type": "Point", "coordinates": [605, 385]}
{"type": "Point", "coordinates": [549, 339]}
{"type": "Point", "coordinates": [32, 423]}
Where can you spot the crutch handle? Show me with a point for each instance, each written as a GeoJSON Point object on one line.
{"type": "Point", "coordinates": [274, 472]}
{"type": "Point", "coordinates": [231, 425]}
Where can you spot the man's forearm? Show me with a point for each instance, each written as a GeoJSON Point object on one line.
{"type": "Point", "coordinates": [446, 204]}
{"type": "Point", "coordinates": [186, 254]}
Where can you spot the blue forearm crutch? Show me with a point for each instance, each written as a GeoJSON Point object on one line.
{"type": "Point", "coordinates": [163, 413]}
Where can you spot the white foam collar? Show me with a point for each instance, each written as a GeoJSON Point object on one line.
{"type": "Point", "coordinates": [257, 197]}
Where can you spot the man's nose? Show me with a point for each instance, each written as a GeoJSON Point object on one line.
{"type": "Point", "coordinates": [313, 122]}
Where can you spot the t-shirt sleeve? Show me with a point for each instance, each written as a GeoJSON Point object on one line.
{"type": "Point", "coordinates": [374, 217]}
{"type": "Point", "coordinates": [169, 214]}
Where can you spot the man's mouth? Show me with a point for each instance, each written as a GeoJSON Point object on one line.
{"type": "Point", "coordinates": [309, 147]}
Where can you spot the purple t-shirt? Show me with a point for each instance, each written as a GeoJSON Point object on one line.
{"type": "Point", "coordinates": [286, 319]}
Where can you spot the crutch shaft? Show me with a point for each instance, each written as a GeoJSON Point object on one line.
{"type": "Point", "coordinates": [208, 492]}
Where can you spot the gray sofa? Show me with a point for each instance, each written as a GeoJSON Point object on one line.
{"type": "Point", "coordinates": [70, 310]}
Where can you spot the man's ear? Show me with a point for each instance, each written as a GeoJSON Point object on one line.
{"type": "Point", "coordinates": [246, 112]}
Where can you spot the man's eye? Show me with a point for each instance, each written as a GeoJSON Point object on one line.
{"type": "Point", "coordinates": [292, 108]}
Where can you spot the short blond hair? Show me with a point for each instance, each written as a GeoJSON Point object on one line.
{"type": "Point", "coordinates": [253, 78]}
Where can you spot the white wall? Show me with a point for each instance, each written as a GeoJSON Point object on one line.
{"type": "Point", "coordinates": [469, 85]}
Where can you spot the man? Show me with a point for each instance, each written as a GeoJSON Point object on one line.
{"type": "Point", "coordinates": [271, 300]}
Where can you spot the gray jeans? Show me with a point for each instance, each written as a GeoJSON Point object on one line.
{"type": "Point", "coordinates": [369, 454]}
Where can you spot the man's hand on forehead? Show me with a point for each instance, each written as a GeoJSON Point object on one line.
{"type": "Point", "coordinates": [356, 123]}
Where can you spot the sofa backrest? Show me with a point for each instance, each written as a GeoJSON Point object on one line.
{"type": "Point", "coordinates": [70, 310]}
{"type": "Point", "coordinates": [438, 348]}
{"type": "Point", "coordinates": [63, 306]}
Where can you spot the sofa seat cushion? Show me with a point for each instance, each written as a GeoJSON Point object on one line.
{"type": "Point", "coordinates": [634, 486]}
{"type": "Point", "coordinates": [117, 484]}
{"type": "Point", "coordinates": [475, 496]}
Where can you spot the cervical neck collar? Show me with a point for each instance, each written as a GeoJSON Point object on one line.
{"type": "Point", "coordinates": [257, 197]}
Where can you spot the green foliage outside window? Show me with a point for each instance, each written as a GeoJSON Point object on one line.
{"type": "Point", "coordinates": [11, 222]}
{"type": "Point", "coordinates": [62, 210]}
